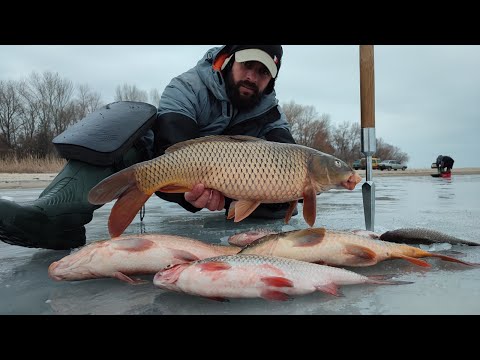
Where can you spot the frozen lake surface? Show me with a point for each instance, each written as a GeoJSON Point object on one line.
{"type": "Point", "coordinates": [451, 206]}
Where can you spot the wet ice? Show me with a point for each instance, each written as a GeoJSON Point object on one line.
{"type": "Point", "coordinates": [446, 205]}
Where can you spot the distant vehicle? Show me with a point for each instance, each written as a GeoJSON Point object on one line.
{"type": "Point", "coordinates": [391, 164]}
{"type": "Point", "coordinates": [361, 163]}
{"type": "Point", "coordinates": [375, 163]}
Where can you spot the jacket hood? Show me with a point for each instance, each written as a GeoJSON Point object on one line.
{"type": "Point", "coordinates": [213, 79]}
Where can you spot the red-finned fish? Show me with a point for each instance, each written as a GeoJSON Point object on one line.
{"type": "Point", "coordinates": [251, 276]}
{"type": "Point", "coordinates": [132, 255]}
{"type": "Point", "coordinates": [247, 169]}
{"type": "Point", "coordinates": [245, 238]}
{"type": "Point", "coordinates": [338, 248]}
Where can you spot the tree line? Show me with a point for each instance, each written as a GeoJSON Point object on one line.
{"type": "Point", "coordinates": [35, 110]}
{"type": "Point", "coordinates": [342, 141]}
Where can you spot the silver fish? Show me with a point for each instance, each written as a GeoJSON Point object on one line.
{"type": "Point", "coordinates": [251, 276]}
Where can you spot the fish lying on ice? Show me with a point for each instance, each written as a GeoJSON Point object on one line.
{"type": "Point", "coordinates": [247, 169]}
{"type": "Point", "coordinates": [251, 276]}
{"type": "Point", "coordinates": [243, 239]}
{"type": "Point", "coordinates": [339, 248]}
{"type": "Point", "coordinates": [423, 236]}
{"type": "Point", "coordinates": [132, 255]}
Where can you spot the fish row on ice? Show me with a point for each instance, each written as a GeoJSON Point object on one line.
{"type": "Point", "coordinates": [274, 266]}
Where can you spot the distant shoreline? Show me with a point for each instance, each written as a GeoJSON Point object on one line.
{"type": "Point", "coordinates": [40, 180]}
{"type": "Point", "coordinates": [420, 172]}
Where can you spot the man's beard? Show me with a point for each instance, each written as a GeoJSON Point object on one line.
{"type": "Point", "coordinates": [239, 101]}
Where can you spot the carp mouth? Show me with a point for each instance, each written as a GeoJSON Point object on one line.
{"type": "Point", "coordinates": [352, 181]}
{"type": "Point", "coordinates": [51, 271]}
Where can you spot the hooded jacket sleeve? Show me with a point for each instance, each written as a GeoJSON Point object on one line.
{"type": "Point", "coordinates": [176, 122]}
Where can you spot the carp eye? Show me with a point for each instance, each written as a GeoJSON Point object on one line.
{"type": "Point", "coordinates": [338, 163]}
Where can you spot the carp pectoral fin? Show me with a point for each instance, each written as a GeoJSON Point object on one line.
{"type": "Point", "coordinates": [412, 260]}
{"type": "Point", "coordinates": [183, 255]}
{"type": "Point", "coordinates": [125, 209]}
{"type": "Point", "coordinates": [214, 266]}
{"type": "Point", "coordinates": [309, 205]}
{"type": "Point", "coordinates": [243, 208]}
{"type": "Point", "coordinates": [121, 276]}
{"type": "Point", "coordinates": [231, 210]}
{"type": "Point", "coordinates": [274, 295]}
{"type": "Point", "coordinates": [277, 281]}
{"type": "Point", "coordinates": [306, 237]}
{"type": "Point", "coordinates": [331, 289]}
{"type": "Point", "coordinates": [360, 255]}
{"type": "Point", "coordinates": [290, 211]}
{"type": "Point", "coordinates": [173, 188]}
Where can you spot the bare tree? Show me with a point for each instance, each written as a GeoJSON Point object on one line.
{"type": "Point", "coordinates": [346, 141]}
{"type": "Point", "coordinates": [86, 102]}
{"type": "Point", "coordinates": [53, 95]}
{"type": "Point", "coordinates": [154, 97]}
{"type": "Point", "coordinates": [11, 109]}
{"type": "Point", "coordinates": [130, 93]}
{"type": "Point", "coordinates": [386, 151]}
{"type": "Point", "coordinates": [321, 130]}
{"type": "Point", "coordinates": [308, 128]}
{"type": "Point", "coordinates": [48, 109]}
{"type": "Point", "coordinates": [294, 112]}
{"type": "Point", "coordinates": [29, 125]}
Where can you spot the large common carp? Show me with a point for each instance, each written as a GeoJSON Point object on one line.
{"type": "Point", "coordinates": [423, 236]}
{"type": "Point", "coordinates": [250, 276]}
{"type": "Point", "coordinates": [247, 169]}
{"type": "Point", "coordinates": [338, 248]}
{"type": "Point", "coordinates": [132, 255]}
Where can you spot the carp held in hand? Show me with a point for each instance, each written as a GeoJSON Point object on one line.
{"type": "Point", "coordinates": [249, 170]}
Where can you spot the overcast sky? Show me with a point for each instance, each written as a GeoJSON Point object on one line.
{"type": "Point", "coordinates": [427, 98]}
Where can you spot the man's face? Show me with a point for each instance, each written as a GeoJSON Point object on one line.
{"type": "Point", "coordinates": [246, 83]}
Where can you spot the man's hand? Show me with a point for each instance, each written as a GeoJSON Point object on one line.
{"type": "Point", "coordinates": [205, 198]}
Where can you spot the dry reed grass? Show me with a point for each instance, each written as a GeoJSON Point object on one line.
{"type": "Point", "coordinates": [31, 165]}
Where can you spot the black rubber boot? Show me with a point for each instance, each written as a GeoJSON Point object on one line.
{"type": "Point", "coordinates": [56, 219]}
